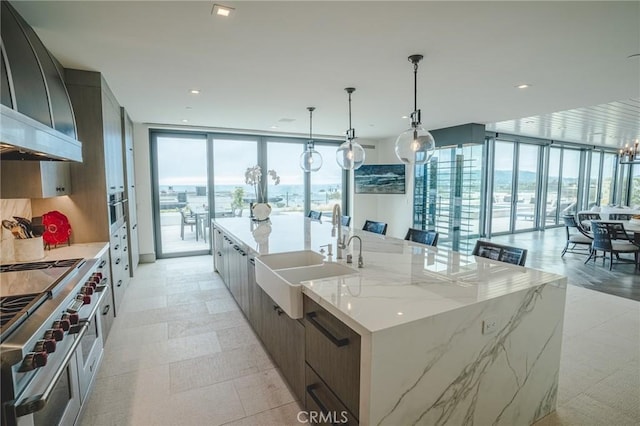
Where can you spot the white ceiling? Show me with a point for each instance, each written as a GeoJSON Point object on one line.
{"type": "Point", "coordinates": [270, 60]}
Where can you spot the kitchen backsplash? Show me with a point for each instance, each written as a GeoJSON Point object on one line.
{"type": "Point", "coordinates": [8, 209]}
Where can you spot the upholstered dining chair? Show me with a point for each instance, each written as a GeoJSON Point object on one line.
{"type": "Point", "coordinates": [620, 216]}
{"type": "Point", "coordinates": [576, 236]}
{"type": "Point", "coordinates": [429, 238]}
{"type": "Point", "coordinates": [375, 227]}
{"type": "Point", "coordinates": [502, 253]}
{"type": "Point", "coordinates": [611, 238]}
{"type": "Point", "coordinates": [585, 218]}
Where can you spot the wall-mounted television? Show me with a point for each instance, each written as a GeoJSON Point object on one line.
{"type": "Point", "coordinates": [380, 179]}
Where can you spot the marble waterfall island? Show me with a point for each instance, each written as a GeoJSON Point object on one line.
{"type": "Point", "coordinates": [445, 338]}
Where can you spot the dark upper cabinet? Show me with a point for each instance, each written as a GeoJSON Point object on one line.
{"type": "Point", "coordinates": [29, 86]}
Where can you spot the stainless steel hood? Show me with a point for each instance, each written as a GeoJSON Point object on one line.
{"type": "Point", "coordinates": [36, 117]}
{"type": "Point", "coordinates": [23, 138]}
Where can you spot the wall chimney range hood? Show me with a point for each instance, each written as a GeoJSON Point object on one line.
{"type": "Point", "coordinates": [36, 116]}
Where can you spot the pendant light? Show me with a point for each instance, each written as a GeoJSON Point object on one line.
{"type": "Point", "coordinates": [415, 145]}
{"type": "Point", "coordinates": [350, 155]}
{"type": "Point", "coordinates": [310, 159]}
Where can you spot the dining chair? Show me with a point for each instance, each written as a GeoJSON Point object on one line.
{"type": "Point", "coordinates": [345, 221]}
{"type": "Point", "coordinates": [429, 238]}
{"type": "Point", "coordinates": [188, 218]}
{"type": "Point", "coordinates": [314, 215]}
{"type": "Point", "coordinates": [499, 252]}
{"type": "Point", "coordinates": [584, 219]}
{"type": "Point", "coordinates": [611, 238]}
{"type": "Point", "coordinates": [375, 227]}
{"type": "Point", "coordinates": [620, 216]}
{"type": "Point", "coordinates": [575, 238]}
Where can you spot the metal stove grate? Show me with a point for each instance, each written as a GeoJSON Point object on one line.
{"type": "Point", "coordinates": [14, 309]}
{"type": "Point", "coordinates": [66, 263]}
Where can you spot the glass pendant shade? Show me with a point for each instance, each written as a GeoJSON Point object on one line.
{"type": "Point", "coordinates": [350, 155]}
{"type": "Point", "coordinates": [310, 160]}
{"type": "Point", "coordinates": [415, 146]}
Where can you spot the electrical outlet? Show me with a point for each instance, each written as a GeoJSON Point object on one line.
{"type": "Point", "coordinates": [489, 325]}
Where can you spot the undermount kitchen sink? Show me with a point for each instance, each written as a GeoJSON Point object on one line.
{"type": "Point", "coordinates": [280, 275]}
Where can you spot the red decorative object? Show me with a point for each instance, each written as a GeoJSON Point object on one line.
{"type": "Point", "coordinates": [56, 228]}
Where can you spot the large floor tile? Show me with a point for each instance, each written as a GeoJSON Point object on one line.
{"type": "Point", "coordinates": [262, 391]}
{"type": "Point", "coordinates": [287, 415]}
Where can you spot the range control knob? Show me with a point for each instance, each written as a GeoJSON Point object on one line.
{"type": "Point", "coordinates": [47, 346]}
{"type": "Point", "coordinates": [85, 298]}
{"type": "Point", "coordinates": [54, 333]}
{"type": "Point", "coordinates": [33, 361]}
{"type": "Point", "coordinates": [97, 275]}
{"type": "Point", "coordinates": [88, 290]}
{"type": "Point", "coordinates": [65, 325]}
{"type": "Point", "coordinates": [73, 318]}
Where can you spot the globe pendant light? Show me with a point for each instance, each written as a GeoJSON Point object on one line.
{"type": "Point", "coordinates": [350, 155]}
{"type": "Point", "coordinates": [415, 145]}
{"type": "Point", "coordinates": [310, 159]}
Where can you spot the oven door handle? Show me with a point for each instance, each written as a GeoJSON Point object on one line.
{"type": "Point", "coordinates": [38, 402]}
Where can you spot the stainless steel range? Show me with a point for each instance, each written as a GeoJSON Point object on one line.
{"type": "Point", "coordinates": [50, 339]}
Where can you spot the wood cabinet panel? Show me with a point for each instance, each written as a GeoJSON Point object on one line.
{"type": "Point", "coordinates": [324, 407]}
{"type": "Point", "coordinates": [38, 179]}
{"type": "Point", "coordinates": [333, 351]}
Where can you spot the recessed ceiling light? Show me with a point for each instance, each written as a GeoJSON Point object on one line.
{"type": "Point", "coordinates": [274, 127]}
{"type": "Point", "coordinates": [404, 116]}
{"type": "Point", "coordinates": [529, 121]}
{"type": "Point", "coordinates": [194, 91]}
{"type": "Point", "coordinates": [185, 121]}
{"type": "Point", "coordinates": [221, 10]}
{"type": "Point", "coordinates": [400, 313]}
{"type": "Point", "coordinates": [286, 120]}
{"type": "Point", "coordinates": [523, 86]}
{"type": "Point", "coordinates": [188, 107]}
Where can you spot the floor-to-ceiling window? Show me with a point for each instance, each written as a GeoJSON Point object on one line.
{"type": "Point", "coordinates": [593, 179]}
{"type": "Point", "coordinates": [553, 187]}
{"type": "Point", "coordinates": [231, 158]}
{"type": "Point", "coordinates": [503, 197]}
{"type": "Point", "coordinates": [527, 186]}
{"type": "Point", "coordinates": [289, 194]}
{"type": "Point", "coordinates": [608, 179]}
{"type": "Point", "coordinates": [326, 183]}
{"type": "Point", "coordinates": [195, 171]}
{"type": "Point", "coordinates": [634, 197]}
{"type": "Point", "coordinates": [569, 183]}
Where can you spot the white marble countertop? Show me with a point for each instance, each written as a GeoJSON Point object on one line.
{"type": "Point", "coordinates": [401, 281]}
{"type": "Point", "coordinates": [74, 251]}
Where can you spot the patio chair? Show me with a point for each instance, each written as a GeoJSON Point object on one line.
{"type": "Point", "coordinates": [375, 227]}
{"type": "Point", "coordinates": [611, 238]}
{"type": "Point", "coordinates": [314, 215]}
{"type": "Point", "coordinates": [499, 252]}
{"type": "Point", "coordinates": [188, 218]}
{"type": "Point", "coordinates": [575, 238]}
{"type": "Point", "coordinates": [429, 238]}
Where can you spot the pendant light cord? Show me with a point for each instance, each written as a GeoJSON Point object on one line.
{"type": "Point", "coordinates": [310, 143]}
{"type": "Point", "coordinates": [415, 86]}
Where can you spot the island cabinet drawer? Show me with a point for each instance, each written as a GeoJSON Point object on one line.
{"type": "Point", "coordinates": [333, 351]}
{"type": "Point", "coordinates": [322, 405]}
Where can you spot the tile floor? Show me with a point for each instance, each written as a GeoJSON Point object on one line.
{"type": "Point", "coordinates": [181, 353]}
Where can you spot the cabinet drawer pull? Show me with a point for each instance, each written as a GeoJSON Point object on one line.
{"type": "Point", "coordinates": [252, 261]}
{"type": "Point", "coordinates": [106, 310]}
{"type": "Point", "coordinates": [101, 265]}
{"type": "Point", "coordinates": [119, 283]}
{"type": "Point", "coordinates": [117, 261]}
{"type": "Point", "coordinates": [311, 316]}
{"type": "Point", "coordinates": [312, 394]}
{"type": "Point", "coordinates": [278, 310]}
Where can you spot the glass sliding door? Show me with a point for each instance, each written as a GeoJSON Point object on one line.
{"type": "Point", "coordinates": [527, 186]}
{"type": "Point", "coordinates": [180, 193]}
{"type": "Point", "coordinates": [231, 158]}
{"type": "Point", "coordinates": [634, 198]}
{"type": "Point", "coordinates": [608, 179]}
{"type": "Point", "coordinates": [569, 184]}
{"type": "Point", "coordinates": [503, 196]}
